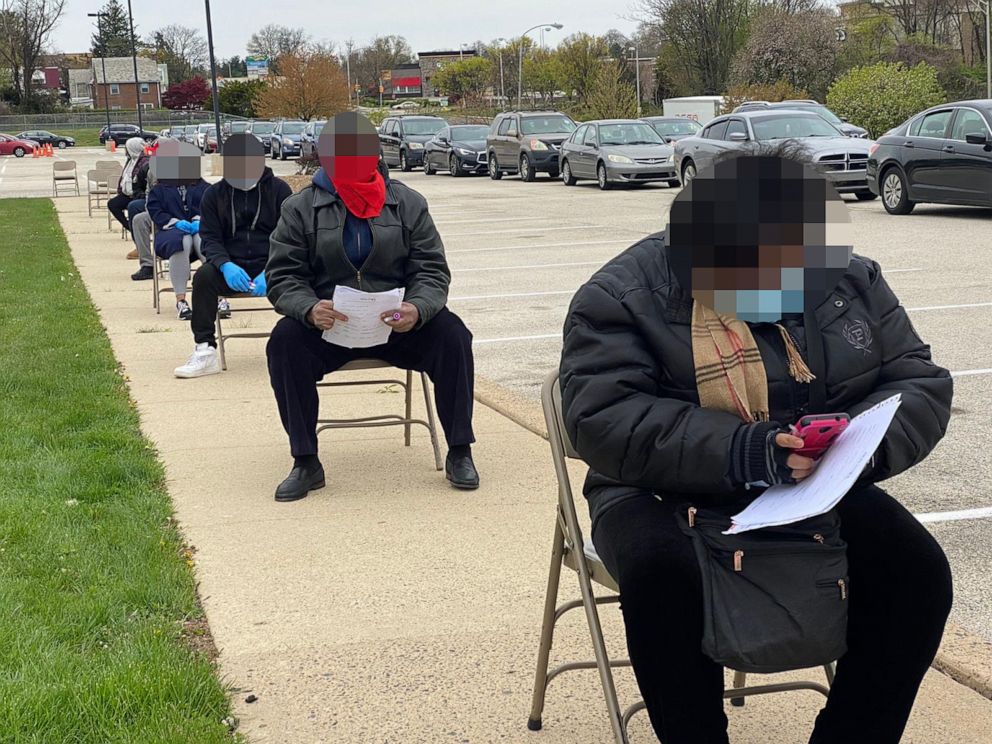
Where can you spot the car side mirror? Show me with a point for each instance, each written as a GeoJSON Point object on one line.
{"type": "Point", "coordinates": [737, 137]}
{"type": "Point", "coordinates": [443, 140]}
{"type": "Point", "coordinates": [977, 138]}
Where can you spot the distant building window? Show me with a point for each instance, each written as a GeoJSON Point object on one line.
{"type": "Point", "coordinates": [145, 88]}
{"type": "Point", "coordinates": [147, 105]}
{"type": "Point", "coordinates": [115, 108]}
{"type": "Point", "coordinates": [115, 89]}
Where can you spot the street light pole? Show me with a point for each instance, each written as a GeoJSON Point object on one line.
{"type": "Point", "coordinates": [103, 64]}
{"type": "Point", "coordinates": [213, 79]}
{"type": "Point", "coordinates": [502, 83]}
{"type": "Point", "coordinates": [987, 7]}
{"type": "Point", "coordinates": [134, 62]}
{"type": "Point", "coordinates": [520, 64]}
{"type": "Point", "coordinates": [637, 71]}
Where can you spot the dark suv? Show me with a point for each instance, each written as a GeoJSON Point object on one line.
{"type": "Point", "coordinates": [402, 139]}
{"type": "Point", "coordinates": [121, 133]}
{"type": "Point", "coordinates": [527, 142]}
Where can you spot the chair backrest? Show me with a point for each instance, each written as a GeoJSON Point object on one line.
{"type": "Point", "coordinates": [107, 164]}
{"type": "Point", "coordinates": [561, 451]}
{"type": "Point", "coordinates": [68, 166]}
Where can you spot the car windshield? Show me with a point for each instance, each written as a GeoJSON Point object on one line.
{"type": "Point", "coordinates": [422, 126]}
{"type": "Point", "coordinates": [239, 126]}
{"type": "Point", "coordinates": [262, 127]}
{"type": "Point", "coordinates": [628, 134]}
{"type": "Point", "coordinates": [293, 127]}
{"type": "Point", "coordinates": [468, 134]}
{"type": "Point", "coordinates": [205, 127]}
{"type": "Point", "coordinates": [318, 128]}
{"type": "Point", "coordinates": [675, 128]}
{"type": "Point", "coordinates": [820, 111]}
{"type": "Point", "coordinates": [791, 127]}
{"type": "Point", "coordinates": [556, 124]}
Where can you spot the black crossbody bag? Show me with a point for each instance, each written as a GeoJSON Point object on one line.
{"type": "Point", "coordinates": [774, 599]}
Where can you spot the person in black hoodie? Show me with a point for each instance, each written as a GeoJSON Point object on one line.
{"type": "Point", "coordinates": [237, 215]}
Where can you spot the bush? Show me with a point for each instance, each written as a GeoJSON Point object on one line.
{"type": "Point", "coordinates": [778, 91]}
{"type": "Point", "coordinates": [880, 97]}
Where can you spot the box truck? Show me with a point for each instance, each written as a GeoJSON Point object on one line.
{"type": "Point", "coordinates": [698, 108]}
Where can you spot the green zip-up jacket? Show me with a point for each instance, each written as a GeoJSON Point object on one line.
{"type": "Point", "coordinates": [307, 259]}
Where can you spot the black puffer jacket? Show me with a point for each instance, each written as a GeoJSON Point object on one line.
{"type": "Point", "coordinates": [629, 389]}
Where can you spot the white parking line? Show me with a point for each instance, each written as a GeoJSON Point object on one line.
{"type": "Point", "coordinates": [972, 372]}
{"type": "Point", "coordinates": [948, 307]}
{"type": "Point", "coordinates": [510, 294]}
{"type": "Point", "coordinates": [542, 337]}
{"type": "Point", "coordinates": [531, 247]}
{"type": "Point", "coordinates": [528, 266]}
{"type": "Point", "coordinates": [528, 229]}
{"type": "Point", "coordinates": [955, 516]}
{"type": "Point", "coordinates": [489, 220]}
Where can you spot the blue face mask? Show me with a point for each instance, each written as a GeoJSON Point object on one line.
{"type": "Point", "coordinates": [764, 305]}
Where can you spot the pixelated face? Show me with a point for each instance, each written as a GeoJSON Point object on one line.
{"type": "Point", "coordinates": [244, 161]}
{"type": "Point", "coordinates": [759, 238]}
{"type": "Point", "coordinates": [348, 148]}
{"type": "Point", "coordinates": [176, 163]}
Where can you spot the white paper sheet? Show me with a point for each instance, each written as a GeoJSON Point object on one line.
{"type": "Point", "coordinates": [364, 310]}
{"type": "Point", "coordinates": [833, 476]}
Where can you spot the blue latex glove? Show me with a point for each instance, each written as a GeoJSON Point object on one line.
{"type": "Point", "coordinates": [184, 226]}
{"type": "Point", "coordinates": [194, 227]}
{"type": "Point", "coordinates": [260, 285]}
{"type": "Point", "coordinates": [236, 277]}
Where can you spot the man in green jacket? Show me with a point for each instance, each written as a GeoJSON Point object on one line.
{"type": "Point", "coordinates": [363, 231]}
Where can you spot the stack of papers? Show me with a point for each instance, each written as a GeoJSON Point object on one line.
{"type": "Point", "coordinates": [833, 476]}
{"type": "Point", "coordinates": [364, 311]}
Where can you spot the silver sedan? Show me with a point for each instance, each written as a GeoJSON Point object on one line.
{"type": "Point", "coordinates": [617, 151]}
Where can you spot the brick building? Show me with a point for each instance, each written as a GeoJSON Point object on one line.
{"type": "Point", "coordinates": [119, 87]}
{"type": "Point", "coordinates": [403, 81]}
{"type": "Point", "coordinates": [431, 62]}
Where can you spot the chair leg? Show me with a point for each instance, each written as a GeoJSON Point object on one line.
{"type": "Point", "coordinates": [220, 344]}
{"type": "Point", "coordinates": [830, 670]}
{"type": "Point", "coordinates": [425, 385]}
{"type": "Point", "coordinates": [740, 680]}
{"type": "Point", "coordinates": [157, 299]}
{"type": "Point", "coordinates": [547, 630]}
{"type": "Point", "coordinates": [409, 407]}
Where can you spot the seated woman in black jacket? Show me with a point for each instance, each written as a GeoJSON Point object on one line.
{"type": "Point", "coordinates": [685, 359]}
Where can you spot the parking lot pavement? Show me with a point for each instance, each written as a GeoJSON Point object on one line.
{"type": "Point", "coordinates": [519, 251]}
{"type": "Point", "coordinates": [30, 176]}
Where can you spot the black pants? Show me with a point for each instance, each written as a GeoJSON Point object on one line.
{"type": "Point", "coordinates": [900, 596]}
{"type": "Point", "coordinates": [209, 285]}
{"type": "Point", "coordinates": [117, 206]}
{"type": "Point", "coordinates": [299, 358]}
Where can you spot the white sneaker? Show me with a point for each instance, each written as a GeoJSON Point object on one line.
{"type": "Point", "coordinates": [204, 361]}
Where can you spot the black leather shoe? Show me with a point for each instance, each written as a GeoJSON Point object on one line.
{"type": "Point", "coordinates": [300, 481]}
{"type": "Point", "coordinates": [460, 470]}
{"type": "Point", "coordinates": [145, 272]}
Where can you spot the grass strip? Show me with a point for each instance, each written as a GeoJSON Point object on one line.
{"type": "Point", "coordinates": [96, 592]}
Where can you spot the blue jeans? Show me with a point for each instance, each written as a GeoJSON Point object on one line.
{"type": "Point", "coordinates": [135, 206]}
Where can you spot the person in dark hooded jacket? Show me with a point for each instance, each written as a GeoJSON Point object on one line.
{"type": "Point", "coordinates": [237, 216]}
{"type": "Point", "coordinates": [670, 396]}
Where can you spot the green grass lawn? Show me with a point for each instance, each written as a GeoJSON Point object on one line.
{"type": "Point", "coordinates": [83, 137]}
{"type": "Point", "coordinates": [98, 606]}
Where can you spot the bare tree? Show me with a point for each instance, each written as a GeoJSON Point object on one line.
{"type": "Point", "coordinates": [274, 41]}
{"type": "Point", "coordinates": [25, 28]}
{"type": "Point", "coordinates": [382, 53]}
{"type": "Point", "coordinates": [182, 48]}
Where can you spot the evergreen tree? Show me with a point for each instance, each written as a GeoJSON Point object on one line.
{"type": "Point", "coordinates": [113, 37]}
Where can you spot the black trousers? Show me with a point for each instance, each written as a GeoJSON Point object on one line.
{"type": "Point", "coordinates": [900, 596]}
{"type": "Point", "coordinates": [209, 285]}
{"type": "Point", "coordinates": [299, 358]}
{"type": "Point", "coordinates": [117, 206]}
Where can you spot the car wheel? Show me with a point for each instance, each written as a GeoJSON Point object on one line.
{"type": "Point", "coordinates": [428, 168]}
{"type": "Point", "coordinates": [494, 172]}
{"type": "Point", "coordinates": [453, 167]}
{"type": "Point", "coordinates": [673, 183]}
{"type": "Point", "coordinates": [282, 154]}
{"type": "Point", "coordinates": [602, 178]}
{"type": "Point", "coordinates": [566, 175]}
{"type": "Point", "coordinates": [688, 172]}
{"type": "Point", "coordinates": [272, 152]}
{"type": "Point", "coordinates": [526, 172]}
{"type": "Point", "coordinates": [404, 163]}
{"type": "Point", "coordinates": [895, 195]}
{"type": "Point", "coordinates": [865, 195]}
{"type": "Point", "coordinates": [63, 144]}
{"type": "Point", "coordinates": [18, 152]}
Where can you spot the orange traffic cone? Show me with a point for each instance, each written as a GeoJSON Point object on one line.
{"type": "Point", "coordinates": [36, 152]}
{"type": "Point", "coordinates": [48, 151]}
{"type": "Point", "coordinates": [113, 145]}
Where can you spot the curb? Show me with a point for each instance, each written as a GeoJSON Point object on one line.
{"type": "Point", "coordinates": [963, 656]}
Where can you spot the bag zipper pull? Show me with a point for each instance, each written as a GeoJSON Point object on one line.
{"type": "Point", "coordinates": [843, 588]}
{"type": "Point", "coordinates": [818, 537]}
{"type": "Point", "coordinates": [692, 516]}
{"type": "Point", "coordinates": [739, 560]}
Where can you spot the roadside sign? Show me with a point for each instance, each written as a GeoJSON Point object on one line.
{"type": "Point", "coordinates": [258, 67]}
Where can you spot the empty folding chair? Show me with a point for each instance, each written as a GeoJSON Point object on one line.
{"type": "Point", "coordinates": [222, 337]}
{"type": "Point", "coordinates": [64, 174]}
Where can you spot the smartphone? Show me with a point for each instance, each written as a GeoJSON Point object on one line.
{"type": "Point", "coordinates": [818, 432]}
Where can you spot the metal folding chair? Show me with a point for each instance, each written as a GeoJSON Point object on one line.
{"type": "Point", "coordinates": [572, 550]}
{"type": "Point", "coordinates": [97, 188]}
{"type": "Point", "coordinates": [64, 172]}
{"type": "Point", "coordinates": [406, 421]}
{"type": "Point", "coordinates": [222, 337]}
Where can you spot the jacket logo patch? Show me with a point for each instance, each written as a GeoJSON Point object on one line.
{"type": "Point", "coordinates": [858, 335]}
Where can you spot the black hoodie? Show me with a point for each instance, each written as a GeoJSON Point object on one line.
{"type": "Point", "coordinates": [235, 225]}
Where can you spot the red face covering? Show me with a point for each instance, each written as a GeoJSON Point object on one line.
{"type": "Point", "coordinates": [359, 184]}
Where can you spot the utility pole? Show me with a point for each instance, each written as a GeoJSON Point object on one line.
{"type": "Point", "coordinates": [637, 71]}
{"type": "Point", "coordinates": [502, 83]}
{"type": "Point", "coordinates": [134, 61]}
{"type": "Point", "coordinates": [103, 64]}
{"type": "Point", "coordinates": [520, 65]}
{"type": "Point", "coordinates": [213, 78]}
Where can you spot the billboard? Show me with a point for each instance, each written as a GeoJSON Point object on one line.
{"type": "Point", "coordinates": [258, 67]}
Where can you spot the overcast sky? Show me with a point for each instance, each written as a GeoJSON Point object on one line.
{"type": "Point", "coordinates": [426, 24]}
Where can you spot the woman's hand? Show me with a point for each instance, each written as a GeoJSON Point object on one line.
{"type": "Point", "coordinates": [802, 467]}
{"type": "Point", "coordinates": [409, 315]}
{"type": "Point", "coordinates": [323, 315]}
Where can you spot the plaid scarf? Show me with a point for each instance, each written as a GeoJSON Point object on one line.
{"type": "Point", "coordinates": [730, 375]}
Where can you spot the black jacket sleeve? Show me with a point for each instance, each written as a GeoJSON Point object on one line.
{"type": "Point", "coordinates": [615, 418]}
{"type": "Point", "coordinates": [427, 274]}
{"type": "Point", "coordinates": [289, 274]}
{"type": "Point", "coordinates": [212, 229]}
{"type": "Point", "coordinates": [907, 368]}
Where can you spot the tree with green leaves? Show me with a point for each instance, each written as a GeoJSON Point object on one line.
{"type": "Point", "coordinates": [113, 37]}
{"type": "Point", "coordinates": [543, 73]}
{"type": "Point", "coordinates": [610, 97]}
{"type": "Point", "coordinates": [581, 57]}
{"type": "Point", "coordinates": [882, 96]}
{"type": "Point", "coordinates": [239, 97]}
{"type": "Point", "coordinates": [467, 79]}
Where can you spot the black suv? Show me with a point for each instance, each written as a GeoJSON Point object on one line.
{"type": "Point", "coordinates": [402, 139]}
{"type": "Point", "coordinates": [527, 142]}
{"type": "Point", "coordinates": [121, 133]}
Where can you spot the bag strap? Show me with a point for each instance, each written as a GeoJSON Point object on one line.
{"type": "Point", "coordinates": [814, 349]}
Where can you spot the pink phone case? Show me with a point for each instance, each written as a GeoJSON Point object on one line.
{"type": "Point", "coordinates": [819, 432]}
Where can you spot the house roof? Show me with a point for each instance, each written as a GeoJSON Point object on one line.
{"type": "Point", "coordinates": [121, 70]}
{"type": "Point", "coordinates": [80, 77]}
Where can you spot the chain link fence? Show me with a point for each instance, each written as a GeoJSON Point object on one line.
{"type": "Point", "coordinates": [155, 119]}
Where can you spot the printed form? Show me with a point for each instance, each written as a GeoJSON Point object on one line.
{"type": "Point", "coordinates": [364, 311]}
{"type": "Point", "coordinates": [833, 476]}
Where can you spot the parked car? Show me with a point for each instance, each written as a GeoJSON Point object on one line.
{"type": "Point", "coordinates": [942, 155]}
{"type": "Point", "coordinates": [405, 106]}
{"type": "Point", "coordinates": [200, 139]}
{"type": "Point", "coordinates": [617, 151]}
{"type": "Point", "coordinates": [402, 139]}
{"type": "Point", "coordinates": [459, 149]}
{"type": "Point", "coordinates": [121, 133]}
{"type": "Point", "coordinates": [285, 139]}
{"type": "Point", "coordinates": [211, 141]}
{"type": "Point", "coordinates": [11, 145]}
{"type": "Point", "coordinates": [262, 131]}
{"type": "Point", "coordinates": [188, 134]}
{"type": "Point", "coordinates": [527, 142]}
{"type": "Point", "coordinates": [840, 158]}
{"type": "Point", "coordinates": [308, 140]}
{"type": "Point", "coordinates": [807, 105]}
{"type": "Point", "coordinates": [672, 128]}
{"type": "Point", "coordinates": [43, 137]}
{"type": "Point", "coordinates": [233, 127]}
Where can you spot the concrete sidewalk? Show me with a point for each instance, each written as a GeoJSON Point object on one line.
{"type": "Point", "coordinates": [387, 607]}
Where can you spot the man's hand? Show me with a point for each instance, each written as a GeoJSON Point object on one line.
{"type": "Point", "coordinates": [802, 467]}
{"type": "Point", "coordinates": [323, 315]}
{"type": "Point", "coordinates": [409, 315]}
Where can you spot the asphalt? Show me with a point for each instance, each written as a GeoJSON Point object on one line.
{"type": "Point", "coordinates": [391, 608]}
